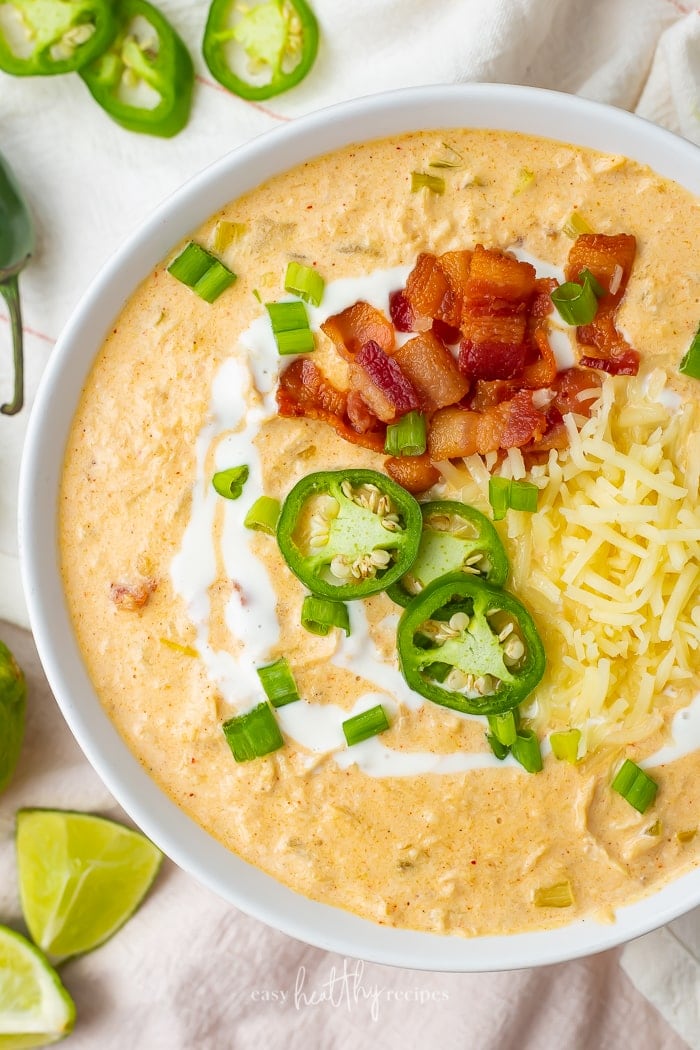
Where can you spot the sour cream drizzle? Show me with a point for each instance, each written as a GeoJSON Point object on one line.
{"type": "Point", "coordinates": [242, 400]}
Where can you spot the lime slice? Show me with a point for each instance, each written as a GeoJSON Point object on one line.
{"type": "Point", "coordinates": [80, 877]}
{"type": "Point", "coordinates": [13, 700]}
{"type": "Point", "coordinates": [35, 1008]}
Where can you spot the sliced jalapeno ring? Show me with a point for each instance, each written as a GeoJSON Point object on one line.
{"type": "Point", "coordinates": [258, 50]}
{"type": "Point", "coordinates": [485, 638]}
{"type": "Point", "coordinates": [347, 534]}
{"type": "Point", "coordinates": [144, 80]}
{"type": "Point", "coordinates": [455, 536]}
{"type": "Point", "coordinates": [54, 36]}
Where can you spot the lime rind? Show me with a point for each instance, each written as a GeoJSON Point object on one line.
{"type": "Point", "coordinates": [35, 1008]}
{"type": "Point", "coordinates": [81, 877]}
{"type": "Point", "coordinates": [13, 702]}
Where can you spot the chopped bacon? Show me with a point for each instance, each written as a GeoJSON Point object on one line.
{"type": "Point", "coordinates": [610, 260]}
{"type": "Point", "coordinates": [487, 393]}
{"type": "Point", "coordinates": [432, 370]}
{"type": "Point", "coordinates": [435, 287]}
{"type": "Point", "coordinates": [569, 385]}
{"type": "Point", "coordinates": [491, 360]}
{"type": "Point", "coordinates": [400, 311]}
{"type": "Point", "coordinates": [415, 473]}
{"type": "Point", "coordinates": [130, 597]}
{"type": "Point", "coordinates": [462, 432]}
{"type": "Point", "coordinates": [357, 325]}
{"type": "Point", "coordinates": [495, 276]}
{"type": "Point", "coordinates": [386, 375]}
{"type": "Point", "coordinates": [446, 333]}
{"type": "Point", "coordinates": [542, 371]}
{"type": "Point", "coordinates": [542, 303]}
{"type": "Point", "coordinates": [304, 391]}
{"type": "Point", "coordinates": [359, 415]}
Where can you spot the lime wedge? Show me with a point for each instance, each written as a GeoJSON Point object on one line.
{"type": "Point", "coordinates": [13, 700]}
{"type": "Point", "coordinates": [80, 877]}
{"type": "Point", "coordinates": [35, 1008]}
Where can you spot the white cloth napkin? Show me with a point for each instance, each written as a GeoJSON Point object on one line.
{"type": "Point", "coordinates": [90, 184]}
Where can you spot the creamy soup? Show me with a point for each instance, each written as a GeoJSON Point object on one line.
{"type": "Point", "coordinates": [176, 603]}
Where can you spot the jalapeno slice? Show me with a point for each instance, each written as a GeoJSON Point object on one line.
{"type": "Point", "coordinates": [43, 37]}
{"type": "Point", "coordinates": [144, 80]}
{"type": "Point", "coordinates": [347, 534]}
{"type": "Point", "coordinates": [465, 644]}
{"type": "Point", "coordinates": [258, 50]}
{"type": "Point", "coordinates": [455, 536]}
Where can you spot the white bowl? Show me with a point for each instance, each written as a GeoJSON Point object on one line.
{"type": "Point", "coordinates": [528, 110]}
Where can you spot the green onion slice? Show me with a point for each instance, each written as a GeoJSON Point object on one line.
{"type": "Point", "coordinates": [505, 494]}
{"type": "Point", "coordinates": [500, 750]}
{"type": "Point", "coordinates": [686, 836]}
{"type": "Point", "coordinates": [202, 272]}
{"type": "Point", "coordinates": [226, 233]}
{"type": "Point", "coordinates": [525, 179]}
{"type": "Point", "coordinates": [690, 365]}
{"type": "Point", "coordinates": [635, 786]}
{"type": "Point", "coordinates": [526, 750]}
{"type": "Point", "coordinates": [263, 515]}
{"type": "Point", "coordinates": [565, 745]}
{"type": "Point", "coordinates": [229, 483]}
{"type": "Point", "coordinates": [253, 734]}
{"type": "Point", "coordinates": [305, 282]}
{"type": "Point", "coordinates": [450, 158]}
{"type": "Point", "coordinates": [575, 225]}
{"type": "Point", "coordinates": [421, 180]}
{"type": "Point", "coordinates": [597, 287]}
{"type": "Point", "coordinates": [576, 304]}
{"type": "Point", "coordinates": [504, 727]}
{"type": "Point", "coordinates": [363, 726]}
{"type": "Point", "coordinates": [558, 896]}
{"type": "Point", "coordinates": [318, 615]}
{"type": "Point", "coordinates": [278, 682]}
{"type": "Point", "coordinates": [290, 327]}
{"type": "Point", "coordinates": [407, 437]}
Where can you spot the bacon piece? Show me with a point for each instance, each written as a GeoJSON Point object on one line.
{"type": "Point", "coordinates": [415, 473]}
{"type": "Point", "coordinates": [360, 417]}
{"type": "Point", "coordinates": [492, 359]}
{"type": "Point", "coordinates": [432, 370]}
{"type": "Point", "coordinates": [610, 260]}
{"type": "Point", "coordinates": [359, 324]}
{"type": "Point", "coordinates": [542, 304]}
{"type": "Point", "coordinates": [130, 597]}
{"type": "Point", "coordinates": [462, 432]}
{"type": "Point", "coordinates": [487, 393]}
{"type": "Point", "coordinates": [446, 333]}
{"type": "Point", "coordinates": [542, 371]}
{"type": "Point", "coordinates": [435, 287]}
{"type": "Point", "coordinates": [304, 391]}
{"type": "Point", "coordinates": [568, 386]}
{"type": "Point", "coordinates": [495, 276]}
{"type": "Point", "coordinates": [400, 311]}
{"type": "Point", "coordinates": [373, 369]}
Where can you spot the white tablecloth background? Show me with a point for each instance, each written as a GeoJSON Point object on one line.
{"type": "Point", "coordinates": [189, 971]}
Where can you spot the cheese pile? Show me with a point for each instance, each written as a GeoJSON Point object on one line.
{"type": "Point", "coordinates": [610, 563]}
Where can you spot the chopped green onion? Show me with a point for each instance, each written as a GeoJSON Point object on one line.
{"type": "Point", "coordinates": [525, 179]}
{"type": "Point", "coordinates": [576, 304]}
{"type": "Point", "coordinates": [363, 726]}
{"type": "Point", "coordinates": [229, 483]}
{"type": "Point", "coordinates": [422, 180]}
{"type": "Point", "coordinates": [407, 437]}
{"type": "Point", "coordinates": [526, 750]}
{"type": "Point", "coordinates": [318, 615]}
{"type": "Point", "coordinates": [690, 365]}
{"type": "Point", "coordinates": [305, 282]}
{"type": "Point", "coordinates": [278, 682]}
{"type": "Point", "coordinates": [500, 750]}
{"type": "Point", "coordinates": [565, 745]}
{"type": "Point", "coordinates": [575, 225]}
{"type": "Point", "coordinates": [504, 727]}
{"type": "Point", "coordinates": [290, 327]}
{"type": "Point", "coordinates": [449, 159]}
{"type": "Point", "coordinates": [226, 233]}
{"type": "Point", "coordinates": [635, 786]}
{"type": "Point", "coordinates": [184, 650]}
{"type": "Point", "coordinates": [594, 282]}
{"type": "Point", "coordinates": [257, 295]}
{"type": "Point", "coordinates": [505, 494]}
{"type": "Point", "coordinates": [253, 734]}
{"type": "Point", "coordinates": [263, 515]}
{"type": "Point", "coordinates": [558, 896]}
{"type": "Point", "coordinates": [686, 836]}
{"type": "Point", "coordinates": [202, 272]}
{"type": "Point", "coordinates": [655, 828]}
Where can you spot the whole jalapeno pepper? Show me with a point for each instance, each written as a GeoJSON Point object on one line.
{"type": "Point", "coordinates": [260, 50]}
{"type": "Point", "coordinates": [465, 644]}
{"type": "Point", "coordinates": [43, 37]}
{"type": "Point", "coordinates": [348, 534]}
{"type": "Point", "coordinates": [144, 80]}
{"type": "Point", "coordinates": [455, 536]}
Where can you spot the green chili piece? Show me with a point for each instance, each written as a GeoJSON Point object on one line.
{"type": "Point", "coordinates": [347, 534]}
{"type": "Point", "coordinates": [485, 634]}
{"type": "Point", "coordinates": [53, 36]}
{"type": "Point", "coordinates": [455, 536]}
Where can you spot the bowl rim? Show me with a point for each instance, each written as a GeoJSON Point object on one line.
{"type": "Point", "coordinates": [502, 107]}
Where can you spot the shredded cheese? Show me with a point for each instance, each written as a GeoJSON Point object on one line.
{"type": "Point", "coordinates": [610, 564]}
